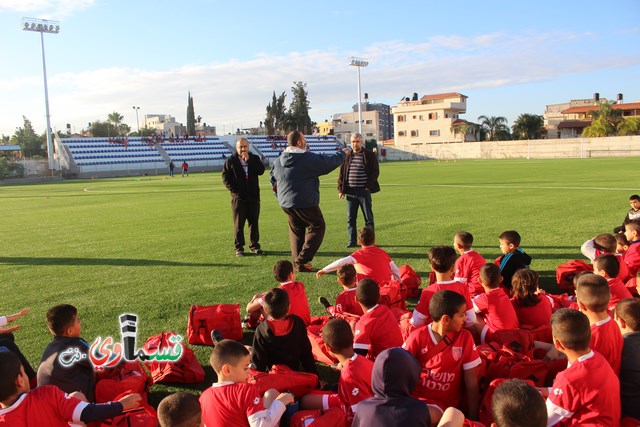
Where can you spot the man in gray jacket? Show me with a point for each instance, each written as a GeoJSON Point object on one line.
{"type": "Point", "coordinates": [294, 176]}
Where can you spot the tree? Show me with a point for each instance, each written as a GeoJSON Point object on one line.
{"type": "Point", "coordinates": [299, 109]}
{"type": "Point", "coordinates": [629, 126]}
{"type": "Point", "coordinates": [191, 118]}
{"type": "Point", "coordinates": [270, 118]}
{"type": "Point", "coordinates": [604, 121]}
{"type": "Point", "coordinates": [100, 129]}
{"type": "Point", "coordinates": [529, 126]}
{"type": "Point", "coordinates": [495, 127]}
{"type": "Point", "coordinates": [31, 143]}
{"type": "Point", "coordinates": [465, 128]}
{"type": "Point", "coordinates": [115, 119]}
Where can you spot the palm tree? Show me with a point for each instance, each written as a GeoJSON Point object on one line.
{"type": "Point", "coordinates": [529, 126]}
{"type": "Point", "coordinates": [115, 119]}
{"type": "Point", "coordinates": [604, 123]}
{"type": "Point", "coordinates": [495, 127]}
{"type": "Point", "coordinates": [629, 126]}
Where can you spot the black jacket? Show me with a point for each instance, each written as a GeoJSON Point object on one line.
{"type": "Point", "coordinates": [77, 377]}
{"type": "Point", "coordinates": [371, 168]}
{"type": "Point", "coordinates": [235, 180]}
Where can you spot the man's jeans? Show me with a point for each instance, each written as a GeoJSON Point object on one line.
{"type": "Point", "coordinates": [358, 198]}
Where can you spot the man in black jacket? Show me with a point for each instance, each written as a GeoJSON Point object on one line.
{"type": "Point", "coordinates": [357, 180]}
{"type": "Point", "coordinates": [240, 176]}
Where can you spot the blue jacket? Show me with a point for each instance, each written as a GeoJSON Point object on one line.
{"type": "Point", "coordinates": [294, 176]}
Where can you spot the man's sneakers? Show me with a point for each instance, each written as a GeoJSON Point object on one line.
{"type": "Point", "coordinates": [216, 336]}
{"type": "Point", "coordinates": [239, 253]}
{"type": "Point", "coordinates": [325, 302]}
{"type": "Point", "coordinates": [306, 268]}
{"type": "Point", "coordinates": [351, 245]}
{"type": "Point", "coordinates": [257, 251]}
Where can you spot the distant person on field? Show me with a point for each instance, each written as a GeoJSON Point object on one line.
{"type": "Point", "coordinates": [180, 410]}
{"type": "Point", "coordinates": [171, 168]}
{"type": "Point", "coordinates": [64, 324]}
{"type": "Point", "coordinates": [370, 261]}
{"type": "Point", "coordinates": [467, 269]}
{"type": "Point", "coordinates": [513, 259]}
{"type": "Point", "coordinates": [231, 401]}
{"type": "Point", "coordinates": [185, 168]}
{"type": "Point", "coordinates": [634, 213]}
{"type": "Point", "coordinates": [240, 175]}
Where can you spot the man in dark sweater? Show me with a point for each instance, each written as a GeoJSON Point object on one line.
{"type": "Point", "coordinates": [240, 176]}
{"type": "Point", "coordinates": [358, 179]}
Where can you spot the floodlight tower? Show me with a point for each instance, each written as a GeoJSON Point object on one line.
{"type": "Point", "coordinates": [50, 27]}
{"type": "Point", "coordinates": [359, 63]}
{"type": "Point", "coordinates": [136, 109]}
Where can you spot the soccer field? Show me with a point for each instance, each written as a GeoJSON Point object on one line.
{"type": "Point", "coordinates": [153, 245]}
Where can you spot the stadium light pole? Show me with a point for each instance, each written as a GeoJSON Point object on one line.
{"type": "Point", "coordinates": [50, 27]}
{"type": "Point", "coordinates": [359, 63]}
{"type": "Point", "coordinates": [136, 109]}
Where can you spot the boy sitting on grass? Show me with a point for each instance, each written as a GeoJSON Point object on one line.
{"type": "Point", "coordinates": [346, 303]}
{"type": "Point", "coordinates": [608, 267]}
{"type": "Point", "coordinates": [494, 305]}
{"type": "Point", "coordinates": [282, 338]}
{"type": "Point", "coordinates": [64, 324]}
{"type": "Point", "coordinates": [48, 405]}
{"type": "Point", "coordinates": [468, 265]}
{"type": "Point", "coordinates": [370, 261]}
{"type": "Point", "coordinates": [180, 410]}
{"type": "Point", "coordinates": [231, 400]}
{"type": "Point", "coordinates": [513, 259]}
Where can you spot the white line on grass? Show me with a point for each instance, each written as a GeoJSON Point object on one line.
{"type": "Point", "coordinates": [524, 187]}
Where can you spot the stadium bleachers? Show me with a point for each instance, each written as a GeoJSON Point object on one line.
{"type": "Point", "coordinates": [272, 145]}
{"type": "Point", "coordinates": [207, 149]}
{"type": "Point", "coordinates": [109, 152]}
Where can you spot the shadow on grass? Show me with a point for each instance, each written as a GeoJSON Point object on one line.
{"type": "Point", "coordinates": [104, 261]}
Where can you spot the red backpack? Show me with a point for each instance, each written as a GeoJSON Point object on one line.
{"type": "Point", "coordinates": [518, 340]}
{"type": "Point", "coordinates": [565, 273]}
{"type": "Point", "coordinates": [332, 417]}
{"type": "Point", "coordinates": [393, 293]}
{"type": "Point", "coordinates": [283, 378]}
{"type": "Point", "coordinates": [205, 318]}
{"type": "Point", "coordinates": [187, 369]}
{"type": "Point", "coordinates": [410, 280]}
{"type": "Point", "coordinates": [127, 377]}
{"type": "Point", "coordinates": [142, 416]}
{"type": "Point", "coordinates": [318, 348]}
{"type": "Point", "coordinates": [505, 363]}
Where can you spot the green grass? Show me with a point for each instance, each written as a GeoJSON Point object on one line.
{"type": "Point", "coordinates": [153, 246]}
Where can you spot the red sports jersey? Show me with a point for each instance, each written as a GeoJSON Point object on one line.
{"type": "Point", "coordinates": [632, 258]}
{"type": "Point", "coordinates": [234, 404]}
{"type": "Point", "coordinates": [537, 315]}
{"type": "Point", "coordinates": [299, 304]}
{"type": "Point", "coordinates": [468, 271]}
{"type": "Point", "coordinates": [354, 385]}
{"type": "Point", "coordinates": [607, 340]}
{"type": "Point", "coordinates": [421, 314]}
{"type": "Point", "coordinates": [346, 303]}
{"type": "Point", "coordinates": [631, 286]}
{"type": "Point", "coordinates": [46, 405]}
{"type": "Point", "coordinates": [372, 262]}
{"type": "Point", "coordinates": [377, 330]}
{"type": "Point", "coordinates": [586, 393]}
{"type": "Point", "coordinates": [497, 310]}
{"type": "Point", "coordinates": [618, 292]}
{"type": "Point", "coordinates": [442, 376]}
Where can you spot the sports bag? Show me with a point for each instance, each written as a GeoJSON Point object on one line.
{"type": "Point", "coordinates": [124, 378]}
{"type": "Point", "coordinates": [410, 280]}
{"type": "Point", "coordinates": [283, 378]}
{"type": "Point", "coordinates": [142, 416]}
{"type": "Point", "coordinates": [205, 318]}
{"type": "Point", "coordinates": [393, 293]}
{"type": "Point", "coordinates": [187, 369]}
{"type": "Point", "coordinates": [318, 348]}
{"type": "Point", "coordinates": [332, 417]}
{"type": "Point", "coordinates": [565, 273]}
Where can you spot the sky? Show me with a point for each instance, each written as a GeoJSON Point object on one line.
{"type": "Point", "coordinates": [508, 57]}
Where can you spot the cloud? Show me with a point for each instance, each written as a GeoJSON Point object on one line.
{"type": "Point", "coordinates": [54, 9]}
{"type": "Point", "coordinates": [234, 93]}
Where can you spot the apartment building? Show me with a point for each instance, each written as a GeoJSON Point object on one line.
{"type": "Point", "coordinates": [165, 124]}
{"type": "Point", "coordinates": [376, 122]}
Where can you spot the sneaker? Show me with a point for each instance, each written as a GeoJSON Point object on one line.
{"type": "Point", "coordinates": [216, 336]}
{"type": "Point", "coordinates": [325, 302]}
{"type": "Point", "coordinates": [239, 253]}
{"type": "Point", "coordinates": [257, 251]}
{"type": "Point", "coordinates": [306, 268]}
{"type": "Point", "coordinates": [351, 245]}
{"type": "Point", "coordinates": [247, 323]}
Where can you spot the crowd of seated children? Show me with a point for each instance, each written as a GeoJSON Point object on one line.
{"type": "Point", "coordinates": [370, 261]}
{"type": "Point", "coordinates": [233, 401]}
{"type": "Point", "coordinates": [377, 329]}
{"type": "Point", "coordinates": [467, 268]}
{"type": "Point", "coordinates": [63, 322]}
{"type": "Point", "coordinates": [513, 258]}
{"type": "Point", "coordinates": [281, 339]}
{"type": "Point", "coordinates": [533, 308]}
{"type": "Point", "coordinates": [634, 213]}
{"type": "Point", "coordinates": [285, 275]}
{"type": "Point", "coordinates": [346, 302]}
{"type": "Point", "coordinates": [395, 376]}
{"type": "Point", "coordinates": [354, 384]}
{"type": "Point", "coordinates": [607, 266]}
{"type": "Point", "coordinates": [632, 255]}
{"type": "Point", "coordinates": [627, 316]}
{"type": "Point", "coordinates": [7, 341]}
{"type": "Point", "coordinates": [180, 410]}
{"type": "Point", "coordinates": [588, 391]}
{"type": "Point", "coordinates": [442, 260]}
{"type": "Point", "coordinates": [447, 367]}
{"type": "Point", "coordinates": [48, 405]}
{"type": "Point", "coordinates": [493, 306]}
{"type": "Point", "coordinates": [592, 295]}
